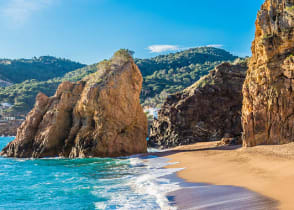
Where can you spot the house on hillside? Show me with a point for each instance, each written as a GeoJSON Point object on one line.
{"type": "Point", "coordinates": [151, 111]}
{"type": "Point", "coordinates": [5, 105]}
{"type": "Point", "coordinates": [9, 118]}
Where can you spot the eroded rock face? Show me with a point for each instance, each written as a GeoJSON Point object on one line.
{"type": "Point", "coordinates": [268, 105]}
{"type": "Point", "coordinates": [99, 116]}
{"type": "Point", "coordinates": [206, 111]}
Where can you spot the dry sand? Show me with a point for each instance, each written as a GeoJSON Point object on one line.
{"type": "Point", "coordinates": [268, 170]}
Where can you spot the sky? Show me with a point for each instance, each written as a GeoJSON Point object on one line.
{"type": "Point", "coordinates": [92, 30]}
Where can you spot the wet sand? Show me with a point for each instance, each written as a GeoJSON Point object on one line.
{"type": "Point", "coordinates": [266, 170]}
{"type": "Point", "coordinates": [206, 196]}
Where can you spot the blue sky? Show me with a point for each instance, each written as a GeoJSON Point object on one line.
{"type": "Point", "coordinates": [91, 30]}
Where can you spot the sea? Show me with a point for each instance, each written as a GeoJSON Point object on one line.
{"type": "Point", "coordinates": [92, 183]}
{"type": "Point", "coordinates": [135, 182]}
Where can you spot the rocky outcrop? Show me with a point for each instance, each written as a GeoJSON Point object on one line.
{"type": "Point", "coordinates": [9, 128]}
{"type": "Point", "coordinates": [206, 111]}
{"type": "Point", "coordinates": [268, 105]}
{"type": "Point", "coordinates": [96, 117]}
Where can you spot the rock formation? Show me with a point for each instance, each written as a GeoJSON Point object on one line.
{"type": "Point", "coordinates": [208, 110]}
{"type": "Point", "coordinates": [96, 117]}
{"type": "Point", "coordinates": [268, 105]}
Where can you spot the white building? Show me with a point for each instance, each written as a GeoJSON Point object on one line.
{"type": "Point", "coordinates": [6, 105]}
{"type": "Point", "coordinates": [151, 111]}
{"type": "Point", "coordinates": [8, 118]}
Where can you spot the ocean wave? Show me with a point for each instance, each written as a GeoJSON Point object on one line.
{"type": "Point", "coordinates": [152, 180]}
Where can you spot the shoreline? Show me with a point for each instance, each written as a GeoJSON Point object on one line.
{"type": "Point", "coordinates": [209, 196]}
{"type": "Point", "coordinates": [191, 195]}
{"type": "Point", "coordinates": [266, 170]}
{"type": "Point", "coordinates": [213, 176]}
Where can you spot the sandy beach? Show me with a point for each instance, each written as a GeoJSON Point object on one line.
{"type": "Point", "coordinates": [267, 170]}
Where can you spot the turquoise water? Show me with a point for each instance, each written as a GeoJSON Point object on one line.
{"type": "Point", "coordinates": [96, 183]}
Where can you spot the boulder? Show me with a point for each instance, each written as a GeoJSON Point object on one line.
{"type": "Point", "coordinates": [97, 117]}
{"type": "Point", "coordinates": [208, 110]}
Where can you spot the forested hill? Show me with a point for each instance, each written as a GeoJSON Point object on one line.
{"type": "Point", "coordinates": [42, 68]}
{"type": "Point", "coordinates": [163, 74]}
{"type": "Point", "coordinates": [173, 72]}
{"type": "Point", "coordinates": [180, 59]}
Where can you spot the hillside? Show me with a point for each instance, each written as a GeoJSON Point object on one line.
{"type": "Point", "coordinates": [199, 55]}
{"type": "Point", "coordinates": [174, 72]}
{"type": "Point", "coordinates": [42, 68]}
{"type": "Point", "coordinates": [162, 75]}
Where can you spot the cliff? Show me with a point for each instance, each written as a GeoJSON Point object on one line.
{"type": "Point", "coordinates": [268, 105]}
{"type": "Point", "coordinates": [208, 110]}
{"type": "Point", "coordinates": [96, 117]}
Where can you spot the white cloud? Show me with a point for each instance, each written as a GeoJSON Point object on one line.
{"type": "Point", "coordinates": [215, 45]}
{"type": "Point", "coordinates": [19, 11]}
{"type": "Point", "coordinates": [162, 48]}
